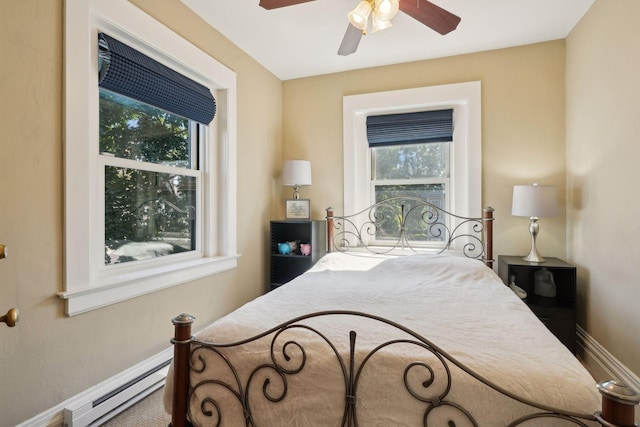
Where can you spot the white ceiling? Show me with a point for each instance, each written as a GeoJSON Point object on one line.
{"type": "Point", "coordinates": [303, 40]}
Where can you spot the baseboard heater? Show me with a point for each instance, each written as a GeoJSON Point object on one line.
{"type": "Point", "coordinates": [110, 398]}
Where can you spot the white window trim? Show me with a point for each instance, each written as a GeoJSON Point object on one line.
{"type": "Point", "coordinates": [466, 171]}
{"type": "Point", "coordinates": [86, 288]}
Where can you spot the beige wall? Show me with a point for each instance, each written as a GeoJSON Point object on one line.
{"type": "Point", "coordinates": [523, 129]}
{"type": "Point", "coordinates": [603, 152]}
{"type": "Point", "coordinates": [49, 357]}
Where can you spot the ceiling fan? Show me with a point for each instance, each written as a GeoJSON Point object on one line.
{"type": "Point", "coordinates": [429, 14]}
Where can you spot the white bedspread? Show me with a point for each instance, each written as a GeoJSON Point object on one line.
{"type": "Point", "coordinates": [458, 304]}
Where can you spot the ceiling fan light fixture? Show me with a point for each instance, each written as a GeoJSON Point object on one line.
{"type": "Point", "coordinates": [358, 17]}
{"type": "Point", "coordinates": [386, 9]}
{"type": "Point", "coordinates": [378, 24]}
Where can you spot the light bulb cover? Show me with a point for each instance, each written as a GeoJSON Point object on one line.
{"type": "Point", "coordinates": [386, 9]}
{"type": "Point", "coordinates": [378, 24]}
{"type": "Point", "coordinates": [358, 17]}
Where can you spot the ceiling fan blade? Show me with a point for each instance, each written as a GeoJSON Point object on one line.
{"type": "Point", "coordinates": [431, 15]}
{"type": "Point", "coordinates": [275, 4]}
{"type": "Point", "coordinates": [350, 41]}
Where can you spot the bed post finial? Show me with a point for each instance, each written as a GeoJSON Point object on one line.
{"type": "Point", "coordinates": [330, 230]}
{"type": "Point", "coordinates": [181, 350]}
{"type": "Point", "coordinates": [487, 235]}
{"type": "Point", "coordinates": [618, 401]}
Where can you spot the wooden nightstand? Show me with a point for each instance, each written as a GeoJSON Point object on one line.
{"type": "Point", "coordinates": [558, 312]}
{"type": "Point", "coordinates": [285, 267]}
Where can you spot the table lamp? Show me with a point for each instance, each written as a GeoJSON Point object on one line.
{"type": "Point", "coordinates": [534, 201]}
{"type": "Point", "coordinates": [296, 173]}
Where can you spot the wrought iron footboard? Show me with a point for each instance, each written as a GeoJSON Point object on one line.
{"type": "Point", "coordinates": [288, 358]}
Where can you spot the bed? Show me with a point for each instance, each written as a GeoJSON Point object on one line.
{"type": "Point", "coordinates": [402, 323]}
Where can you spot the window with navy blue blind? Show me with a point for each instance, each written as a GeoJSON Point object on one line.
{"type": "Point", "coordinates": [149, 199]}
{"type": "Point", "coordinates": [149, 145]}
{"type": "Point", "coordinates": [410, 156]}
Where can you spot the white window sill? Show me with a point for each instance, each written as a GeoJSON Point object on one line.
{"type": "Point", "coordinates": [130, 286]}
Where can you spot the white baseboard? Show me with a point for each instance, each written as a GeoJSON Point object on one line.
{"type": "Point", "coordinates": [603, 365]}
{"type": "Point", "coordinates": [54, 417]}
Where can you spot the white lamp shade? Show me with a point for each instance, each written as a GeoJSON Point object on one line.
{"type": "Point", "coordinates": [296, 173]}
{"type": "Point", "coordinates": [535, 200]}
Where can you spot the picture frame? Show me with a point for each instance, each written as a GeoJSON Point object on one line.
{"type": "Point", "coordinates": [297, 209]}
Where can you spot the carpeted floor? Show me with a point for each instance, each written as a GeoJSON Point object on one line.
{"type": "Point", "coordinates": [149, 412]}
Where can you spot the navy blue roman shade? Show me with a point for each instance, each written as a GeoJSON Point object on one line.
{"type": "Point", "coordinates": [410, 128]}
{"type": "Point", "coordinates": [128, 72]}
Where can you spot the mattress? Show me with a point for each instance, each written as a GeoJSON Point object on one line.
{"type": "Point", "coordinates": [456, 303]}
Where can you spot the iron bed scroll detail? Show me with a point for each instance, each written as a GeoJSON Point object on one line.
{"type": "Point", "coordinates": [289, 357]}
{"type": "Point", "coordinates": [411, 223]}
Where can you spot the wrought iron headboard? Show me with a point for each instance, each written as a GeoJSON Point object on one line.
{"type": "Point", "coordinates": [411, 223]}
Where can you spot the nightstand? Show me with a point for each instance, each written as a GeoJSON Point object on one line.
{"type": "Point", "coordinates": [556, 310]}
{"type": "Point", "coordinates": [286, 267]}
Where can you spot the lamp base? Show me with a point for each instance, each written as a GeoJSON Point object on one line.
{"type": "Point", "coordinates": [533, 256]}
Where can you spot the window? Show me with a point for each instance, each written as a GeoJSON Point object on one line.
{"type": "Point", "coordinates": [149, 187]}
{"type": "Point", "coordinates": [149, 159]}
{"type": "Point", "coordinates": [151, 180]}
{"type": "Point", "coordinates": [410, 158]}
{"type": "Point", "coordinates": [384, 155]}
